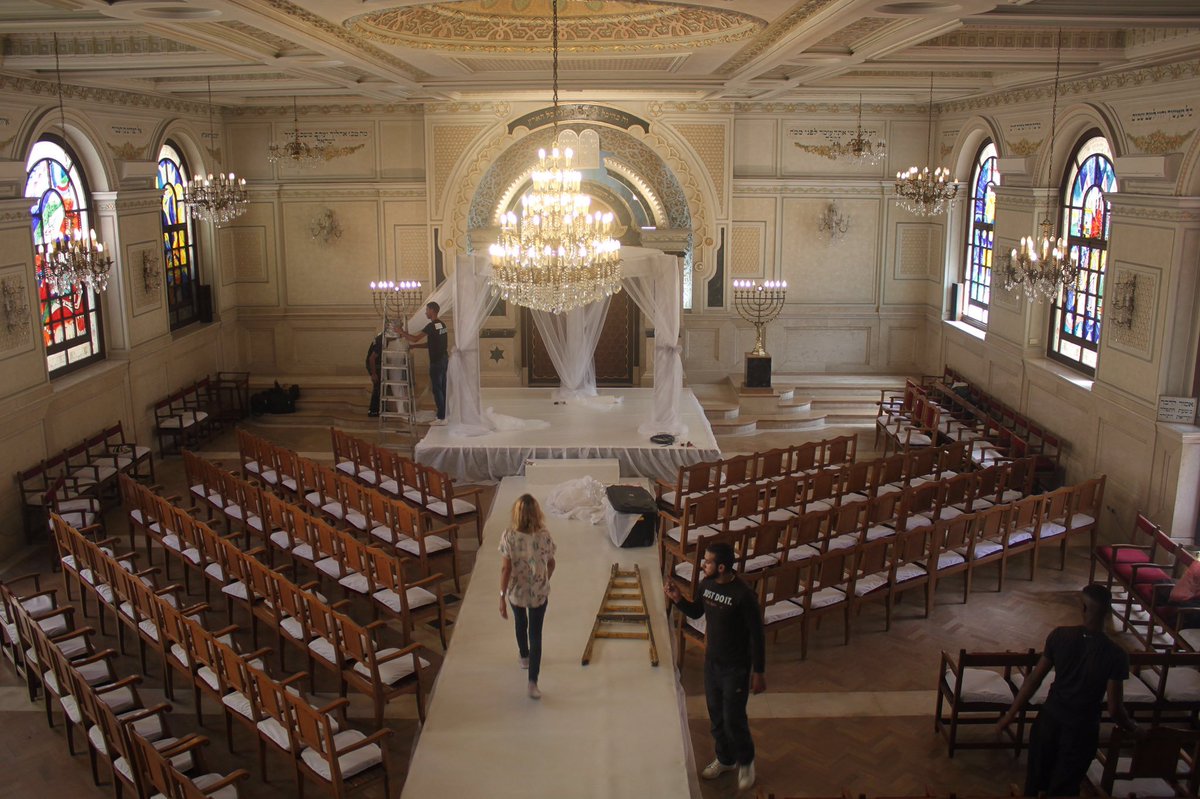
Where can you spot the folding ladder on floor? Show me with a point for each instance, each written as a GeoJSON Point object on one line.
{"type": "Point", "coordinates": [624, 604]}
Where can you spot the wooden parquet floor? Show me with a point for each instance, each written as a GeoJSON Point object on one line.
{"type": "Point", "coordinates": [857, 717]}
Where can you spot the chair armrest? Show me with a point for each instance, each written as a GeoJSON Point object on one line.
{"type": "Point", "coordinates": [227, 780]}
{"type": "Point", "coordinates": [34, 577]}
{"type": "Point", "coordinates": [124, 682]}
{"type": "Point", "coordinates": [411, 649]}
{"type": "Point", "coordinates": [433, 579]}
{"type": "Point", "coordinates": [375, 737]}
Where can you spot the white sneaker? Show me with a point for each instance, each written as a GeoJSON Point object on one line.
{"type": "Point", "coordinates": [534, 693]}
{"type": "Point", "coordinates": [524, 663]}
{"type": "Point", "coordinates": [716, 769]}
{"type": "Point", "coordinates": [746, 777]}
{"type": "Point", "coordinates": [438, 422]}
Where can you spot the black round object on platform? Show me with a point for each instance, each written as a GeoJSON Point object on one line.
{"type": "Point", "coordinates": [662, 438]}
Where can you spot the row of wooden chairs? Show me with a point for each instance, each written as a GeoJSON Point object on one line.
{"type": "Point", "coordinates": [1032, 437]}
{"type": "Point", "coordinates": [185, 417]}
{"type": "Point", "coordinates": [1142, 573]}
{"type": "Point", "coordinates": [76, 481]}
{"type": "Point", "coordinates": [977, 688]}
{"type": "Point", "coordinates": [72, 673]}
{"type": "Point", "coordinates": [923, 499]}
{"type": "Point", "coordinates": [331, 496]}
{"type": "Point", "coordinates": [774, 464]}
{"type": "Point", "coordinates": [337, 557]}
{"type": "Point", "coordinates": [837, 559]}
{"type": "Point", "coordinates": [276, 712]}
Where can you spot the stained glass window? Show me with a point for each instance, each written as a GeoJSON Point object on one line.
{"type": "Point", "coordinates": [1077, 314]}
{"type": "Point", "coordinates": [981, 227]}
{"type": "Point", "coordinates": [70, 321]}
{"type": "Point", "coordinates": [179, 251]}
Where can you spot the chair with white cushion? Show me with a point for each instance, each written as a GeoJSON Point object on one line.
{"type": "Point", "coordinates": [342, 762]}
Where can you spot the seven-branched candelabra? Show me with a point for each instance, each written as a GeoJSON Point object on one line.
{"type": "Point", "coordinates": [759, 304]}
{"type": "Point", "coordinates": [396, 301]}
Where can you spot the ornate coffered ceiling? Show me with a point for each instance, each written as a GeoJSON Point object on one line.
{"type": "Point", "coordinates": [259, 52]}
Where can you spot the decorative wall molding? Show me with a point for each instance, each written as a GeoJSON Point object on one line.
{"type": "Point", "coordinates": [784, 24]}
{"type": "Point", "coordinates": [366, 193]}
{"type": "Point", "coordinates": [90, 94]}
{"type": "Point", "coordinates": [788, 189]}
{"type": "Point", "coordinates": [16, 332]}
{"type": "Point", "coordinates": [243, 254]}
{"type": "Point", "coordinates": [74, 43]}
{"type": "Point", "coordinates": [708, 142]}
{"type": "Point", "coordinates": [1159, 142]}
{"type": "Point", "coordinates": [139, 256]}
{"type": "Point", "coordinates": [1023, 147]}
{"type": "Point", "coordinates": [338, 109]}
{"type": "Point", "coordinates": [1138, 338]}
{"type": "Point", "coordinates": [449, 144]}
{"type": "Point", "coordinates": [128, 151]}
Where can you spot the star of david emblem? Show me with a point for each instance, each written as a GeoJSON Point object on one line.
{"type": "Point", "coordinates": [497, 354]}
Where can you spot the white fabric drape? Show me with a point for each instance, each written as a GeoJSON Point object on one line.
{"type": "Point", "coordinates": [570, 340]}
{"type": "Point", "coordinates": [472, 302]}
{"type": "Point", "coordinates": [652, 279]}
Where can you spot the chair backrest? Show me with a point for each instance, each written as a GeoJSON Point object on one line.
{"type": "Point", "coordinates": [883, 507]}
{"type": "Point", "coordinates": [849, 517]}
{"type": "Point", "coordinates": [1163, 753]}
{"type": "Point", "coordinates": [891, 469]}
{"type": "Point", "coordinates": [1089, 496]}
{"type": "Point", "coordinates": [840, 450]}
{"type": "Point", "coordinates": [701, 510]}
{"type": "Point", "coordinates": [804, 456]}
{"type": "Point", "coordinates": [698, 477]}
{"type": "Point", "coordinates": [314, 731]}
{"type": "Point", "coordinates": [920, 462]}
{"type": "Point", "coordinates": [737, 470]}
{"type": "Point", "coordinates": [773, 463]}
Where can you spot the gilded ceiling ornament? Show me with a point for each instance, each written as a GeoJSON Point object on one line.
{"type": "Point", "coordinates": [128, 151]}
{"type": "Point", "coordinates": [1024, 147]}
{"type": "Point", "coordinates": [823, 150]}
{"type": "Point", "coordinates": [1159, 142]}
{"type": "Point", "coordinates": [517, 26]}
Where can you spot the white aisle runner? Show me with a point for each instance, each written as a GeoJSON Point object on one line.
{"type": "Point", "coordinates": [614, 728]}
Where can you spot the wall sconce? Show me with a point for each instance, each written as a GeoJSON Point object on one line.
{"type": "Point", "coordinates": [16, 307]}
{"type": "Point", "coordinates": [1124, 301]}
{"type": "Point", "coordinates": [152, 277]}
{"type": "Point", "coordinates": [833, 223]}
{"type": "Point", "coordinates": [325, 228]}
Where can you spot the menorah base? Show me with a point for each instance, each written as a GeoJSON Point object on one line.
{"type": "Point", "coordinates": [758, 371]}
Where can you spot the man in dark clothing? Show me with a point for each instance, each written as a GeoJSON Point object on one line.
{"type": "Point", "coordinates": [734, 659]}
{"type": "Point", "coordinates": [374, 355]}
{"type": "Point", "coordinates": [435, 336]}
{"type": "Point", "coordinates": [1087, 664]}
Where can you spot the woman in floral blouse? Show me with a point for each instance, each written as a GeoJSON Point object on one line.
{"type": "Point", "coordinates": [526, 564]}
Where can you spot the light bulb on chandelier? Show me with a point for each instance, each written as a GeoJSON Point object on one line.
{"type": "Point", "coordinates": [217, 199]}
{"type": "Point", "coordinates": [921, 191]}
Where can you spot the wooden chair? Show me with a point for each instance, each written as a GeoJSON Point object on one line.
{"type": "Point", "coordinates": [827, 587]}
{"type": "Point", "coordinates": [977, 688]}
{"type": "Point", "coordinates": [340, 762]}
{"type": "Point", "coordinates": [1164, 761]}
{"type": "Point", "coordinates": [381, 674]}
{"type": "Point", "coordinates": [409, 602]}
{"type": "Point", "coordinates": [450, 504]}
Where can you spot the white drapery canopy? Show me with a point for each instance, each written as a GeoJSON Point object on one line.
{"type": "Point", "coordinates": [652, 279]}
{"type": "Point", "coordinates": [571, 340]}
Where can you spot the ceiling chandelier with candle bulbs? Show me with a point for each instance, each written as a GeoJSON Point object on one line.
{"type": "Point", "coordinates": [295, 152]}
{"type": "Point", "coordinates": [859, 148]}
{"type": "Point", "coordinates": [1044, 266]}
{"type": "Point", "coordinates": [920, 191]}
{"type": "Point", "coordinates": [77, 257]}
{"type": "Point", "coordinates": [556, 255]}
{"type": "Point", "coordinates": [217, 199]}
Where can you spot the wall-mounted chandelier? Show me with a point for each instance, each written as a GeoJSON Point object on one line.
{"type": "Point", "coordinates": [921, 191]}
{"type": "Point", "coordinates": [556, 255]}
{"type": "Point", "coordinates": [77, 257]}
{"type": "Point", "coordinates": [860, 148]}
{"type": "Point", "coordinates": [1044, 266]}
{"type": "Point", "coordinates": [217, 199]}
{"type": "Point", "coordinates": [295, 152]}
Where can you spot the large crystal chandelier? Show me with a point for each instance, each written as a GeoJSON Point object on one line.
{"type": "Point", "coordinates": [75, 258]}
{"type": "Point", "coordinates": [295, 152]}
{"type": "Point", "coordinates": [1045, 266]}
{"type": "Point", "coordinates": [860, 148]}
{"type": "Point", "coordinates": [920, 191]}
{"type": "Point", "coordinates": [217, 199]}
{"type": "Point", "coordinates": [556, 255]}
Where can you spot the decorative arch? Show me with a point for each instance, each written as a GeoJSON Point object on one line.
{"type": "Point", "coordinates": [186, 140]}
{"type": "Point", "coordinates": [971, 136]}
{"type": "Point", "coordinates": [82, 138]}
{"type": "Point", "coordinates": [1076, 120]}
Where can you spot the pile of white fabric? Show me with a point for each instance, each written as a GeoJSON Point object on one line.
{"type": "Point", "coordinates": [581, 499]}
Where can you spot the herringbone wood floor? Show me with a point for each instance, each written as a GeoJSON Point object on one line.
{"type": "Point", "coordinates": [854, 718]}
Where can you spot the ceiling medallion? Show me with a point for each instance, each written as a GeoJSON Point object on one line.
{"type": "Point", "coordinates": [523, 26]}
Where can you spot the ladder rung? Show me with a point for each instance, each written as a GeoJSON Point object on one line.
{"type": "Point", "coordinates": [632, 617]}
{"type": "Point", "coordinates": [602, 634]}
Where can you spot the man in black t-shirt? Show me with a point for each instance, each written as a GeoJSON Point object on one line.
{"type": "Point", "coordinates": [374, 354]}
{"type": "Point", "coordinates": [1087, 664]}
{"type": "Point", "coordinates": [734, 659]}
{"type": "Point", "coordinates": [435, 336]}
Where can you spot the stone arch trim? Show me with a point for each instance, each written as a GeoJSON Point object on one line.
{"type": "Point", "coordinates": [180, 132]}
{"type": "Point", "coordinates": [970, 135]}
{"type": "Point", "coordinates": [99, 167]}
{"type": "Point", "coordinates": [464, 180]}
{"type": "Point", "coordinates": [1072, 123]}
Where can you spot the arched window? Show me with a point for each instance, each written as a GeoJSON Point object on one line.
{"type": "Point", "coordinates": [71, 320]}
{"type": "Point", "coordinates": [981, 226]}
{"type": "Point", "coordinates": [1076, 315]}
{"type": "Point", "coordinates": [179, 249]}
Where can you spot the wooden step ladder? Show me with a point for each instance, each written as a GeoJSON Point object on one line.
{"type": "Point", "coordinates": [624, 603]}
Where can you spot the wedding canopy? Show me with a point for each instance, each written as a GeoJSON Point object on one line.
{"type": "Point", "coordinates": [652, 279]}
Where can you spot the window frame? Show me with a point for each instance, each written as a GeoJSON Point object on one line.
{"type": "Point", "coordinates": [1078, 243]}
{"type": "Point", "coordinates": [171, 234]}
{"type": "Point", "coordinates": [93, 307]}
{"type": "Point", "coordinates": [971, 246]}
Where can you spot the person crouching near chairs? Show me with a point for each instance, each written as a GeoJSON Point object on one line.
{"type": "Point", "coordinates": [526, 565]}
{"type": "Point", "coordinates": [734, 659]}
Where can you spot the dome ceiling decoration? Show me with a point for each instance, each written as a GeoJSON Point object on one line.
{"type": "Point", "coordinates": [523, 26]}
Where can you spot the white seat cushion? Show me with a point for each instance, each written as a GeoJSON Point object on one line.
{"type": "Point", "coordinates": [826, 597]}
{"type": "Point", "coordinates": [779, 611]}
{"type": "Point", "coordinates": [349, 764]}
{"type": "Point", "coordinates": [870, 582]}
{"type": "Point", "coordinates": [982, 685]}
{"type": "Point", "coordinates": [461, 507]}
{"type": "Point", "coordinates": [433, 543]}
{"type": "Point", "coordinates": [392, 671]}
{"type": "Point", "coordinates": [1122, 788]}
{"type": "Point", "coordinates": [802, 552]}
{"type": "Point", "coordinates": [417, 597]}
{"type": "Point", "coordinates": [949, 559]}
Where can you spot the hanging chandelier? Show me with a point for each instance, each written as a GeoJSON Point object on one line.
{"type": "Point", "coordinates": [295, 152]}
{"type": "Point", "coordinates": [921, 191]}
{"type": "Point", "coordinates": [217, 199]}
{"type": "Point", "coordinates": [556, 255]}
{"type": "Point", "coordinates": [1045, 266]}
{"type": "Point", "coordinates": [75, 258]}
{"type": "Point", "coordinates": [860, 149]}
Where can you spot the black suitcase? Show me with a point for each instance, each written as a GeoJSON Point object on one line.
{"type": "Point", "coordinates": [634, 499]}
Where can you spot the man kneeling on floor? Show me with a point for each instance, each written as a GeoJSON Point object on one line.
{"type": "Point", "coordinates": [734, 659]}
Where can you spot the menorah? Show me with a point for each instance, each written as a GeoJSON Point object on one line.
{"type": "Point", "coordinates": [395, 301]}
{"type": "Point", "coordinates": [759, 304]}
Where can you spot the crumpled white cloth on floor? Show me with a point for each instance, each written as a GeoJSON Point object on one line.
{"type": "Point", "coordinates": [582, 499]}
{"type": "Point", "coordinates": [502, 421]}
{"type": "Point", "coordinates": [600, 402]}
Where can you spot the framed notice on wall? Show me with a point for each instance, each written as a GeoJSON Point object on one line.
{"type": "Point", "coordinates": [1180, 410]}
